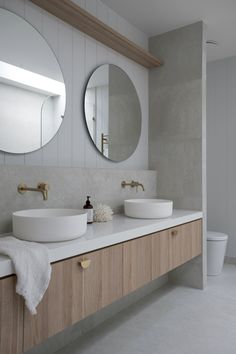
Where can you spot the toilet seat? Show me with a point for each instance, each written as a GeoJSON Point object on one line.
{"type": "Point", "coordinates": [216, 236]}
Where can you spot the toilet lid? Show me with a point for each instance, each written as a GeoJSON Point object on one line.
{"type": "Point", "coordinates": [216, 236]}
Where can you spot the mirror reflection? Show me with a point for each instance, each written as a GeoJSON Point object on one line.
{"type": "Point", "coordinates": [112, 112]}
{"type": "Point", "coordinates": [32, 89]}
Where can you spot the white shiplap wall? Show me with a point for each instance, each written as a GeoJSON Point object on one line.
{"type": "Point", "coordinates": [78, 55]}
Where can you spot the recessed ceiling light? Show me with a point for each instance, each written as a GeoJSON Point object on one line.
{"type": "Point", "coordinates": [212, 42]}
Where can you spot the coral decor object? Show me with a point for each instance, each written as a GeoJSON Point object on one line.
{"type": "Point", "coordinates": [102, 213]}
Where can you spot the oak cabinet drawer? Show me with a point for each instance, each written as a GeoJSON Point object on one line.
{"type": "Point", "coordinates": [61, 305]}
{"type": "Point", "coordinates": [136, 263]}
{"type": "Point", "coordinates": [185, 243]}
{"type": "Point", "coordinates": [160, 253]}
{"type": "Point", "coordinates": [112, 274]}
{"type": "Point", "coordinates": [103, 279]}
{"type": "Point", "coordinates": [79, 286]}
{"type": "Point", "coordinates": [175, 246]}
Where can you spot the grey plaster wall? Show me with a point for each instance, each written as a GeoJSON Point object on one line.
{"type": "Point", "coordinates": [177, 125]}
{"type": "Point", "coordinates": [69, 188]}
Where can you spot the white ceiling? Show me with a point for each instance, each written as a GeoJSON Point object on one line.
{"type": "Point", "coordinates": [159, 16]}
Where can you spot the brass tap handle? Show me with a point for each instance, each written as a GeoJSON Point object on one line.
{"type": "Point", "coordinates": [123, 184]}
{"type": "Point", "coordinates": [85, 263]}
{"type": "Point", "coordinates": [21, 188]}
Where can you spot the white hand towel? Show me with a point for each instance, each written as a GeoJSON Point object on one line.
{"type": "Point", "coordinates": [32, 267]}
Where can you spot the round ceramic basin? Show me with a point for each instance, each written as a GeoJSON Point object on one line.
{"type": "Point", "coordinates": [148, 208]}
{"type": "Point", "coordinates": [49, 225]}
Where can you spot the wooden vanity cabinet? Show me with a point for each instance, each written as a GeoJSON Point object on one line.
{"type": "Point", "coordinates": [82, 285]}
{"type": "Point", "coordinates": [11, 317]}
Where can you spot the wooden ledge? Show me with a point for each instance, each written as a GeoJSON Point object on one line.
{"type": "Point", "coordinates": [77, 17]}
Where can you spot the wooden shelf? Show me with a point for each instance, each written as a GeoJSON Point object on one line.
{"type": "Point", "coordinates": [77, 17]}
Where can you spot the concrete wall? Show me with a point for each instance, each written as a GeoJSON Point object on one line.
{"type": "Point", "coordinates": [221, 147]}
{"type": "Point", "coordinates": [69, 188]}
{"type": "Point", "coordinates": [177, 125]}
{"type": "Point", "coordinates": [78, 55]}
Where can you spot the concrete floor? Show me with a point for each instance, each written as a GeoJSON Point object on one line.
{"type": "Point", "coordinates": [173, 320]}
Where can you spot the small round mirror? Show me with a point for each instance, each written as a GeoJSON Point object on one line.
{"type": "Point", "coordinates": [32, 89]}
{"type": "Point", "coordinates": [112, 112]}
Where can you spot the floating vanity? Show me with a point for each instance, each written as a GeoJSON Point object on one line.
{"type": "Point", "coordinates": [110, 261]}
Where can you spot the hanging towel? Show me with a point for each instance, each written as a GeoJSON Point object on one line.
{"type": "Point", "coordinates": [32, 267]}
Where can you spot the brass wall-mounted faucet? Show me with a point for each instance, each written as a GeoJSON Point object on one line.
{"type": "Point", "coordinates": [41, 187]}
{"type": "Point", "coordinates": [132, 184]}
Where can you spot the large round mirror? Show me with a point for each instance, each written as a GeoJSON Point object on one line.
{"type": "Point", "coordinates": [112, 112]}
{"type": "Point", "coordinates": [32, 89]}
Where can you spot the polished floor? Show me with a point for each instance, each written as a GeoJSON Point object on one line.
{"type": "Point", "coordinates": [174, 320]}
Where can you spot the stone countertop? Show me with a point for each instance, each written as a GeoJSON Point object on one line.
{"type": "Point", "coordinates": [100, 235]}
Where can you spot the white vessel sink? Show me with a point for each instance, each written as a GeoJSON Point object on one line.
{"type": "Point", "coordinates": [148, 208]}
{"type": "Point", "coordinates": [49, 225]}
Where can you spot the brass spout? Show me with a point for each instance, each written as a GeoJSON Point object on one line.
{"type": "Point", "coordinates": [132, 184]}
{"type": "Point", "coordinates": [41, 187]}
{"type": "Point", "coordinates": [141, 185]}
{"type": "Point", "coordinates": [44, 188]}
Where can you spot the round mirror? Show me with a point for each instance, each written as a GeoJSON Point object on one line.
{"type": "Point", "coordinates": [32, 89]}
{"type": "Point", "coordinates": [112, 112]}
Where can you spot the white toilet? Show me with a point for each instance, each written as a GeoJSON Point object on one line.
{"type": "Point", "coordinates": [216, 247]}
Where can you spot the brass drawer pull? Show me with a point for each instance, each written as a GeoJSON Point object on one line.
{"type": "Point", "coordinates": [85, 263]}
{"type": "Point", "coordinates": [174, 232]}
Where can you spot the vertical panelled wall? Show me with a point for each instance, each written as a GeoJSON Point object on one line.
{"type": "Point", "coordinates": [78, 55]}
{"type": "Point", "coordinates": [177, 126]}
